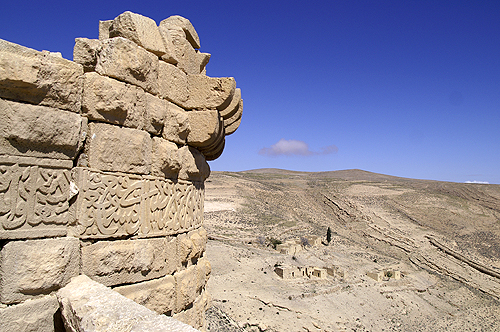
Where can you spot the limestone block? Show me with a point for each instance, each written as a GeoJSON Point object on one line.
{"type": "Point", "coordinates": [209, 92]}
{"type": "Point", "coordinates": [158, 294]}
{"type": "Point", "coordinates": [234, 122]}
{"type": "Point", "coordinates": [108, 100]}
{"type": "Point", "coordinates": [35, 267]}
{"type": "Point", "coordinates": [129, 261]}
{"type": "Point", "coordinates": [32, 315]}
{"type": "Point", "coordinates": [85, 52]}
{"type": "Point", "coordinates": [34, 197]}
{"type": "Point", "coordinates": [204, 270]}
{"type": "Point", "coordinates": [233, 107]}
{"type": "Point", "coordinates": [155, 112]}
{"type": "Point", "coordinates": [88, 306]}
{"type": "Point", "coordinates": [191, 246]}
{"type": "Point", "coordinates": [165, 159]}
{"type": "Point", "coordinates": [216, 152]}
{"type": "Point", "coordinates": [115, 149]}
{"type": "Point", "coordinates": [140, 29]}
{"type": "Point", "coordinates": [186, 287]}
{"type": "Point", "coordinates": [179, 32]}
{"type": "Point", "coordinates": [113, 205]}
{"type": "Point", "coordinates": [40, 131]}
{"type": "Point", "coordinates": [39, 77]}
{"type": "Point", "coordinates": [104, 27]}
{"type": "Point", "coordinates": [172, 83]}
{"type": "Point", "coordinates": [176, 124]}
{"type": "Point", "coordinates": [205, 128]}
{"type": "Point", "coordinates": [124, 60]}
{"type": "Point", "coordinates": [195, 316]}
{"type": "Point", "coordinates": [193, 164]}
{"type": "Point", "coordinates": [177, 21]}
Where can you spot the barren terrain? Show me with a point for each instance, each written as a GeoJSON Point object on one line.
{"type": "Point", "coordinates": [444, 238]}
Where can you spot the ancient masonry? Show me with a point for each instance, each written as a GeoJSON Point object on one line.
{"type": "Point", "coordinates": [102, 169]}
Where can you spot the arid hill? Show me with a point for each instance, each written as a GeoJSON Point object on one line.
{"type": "Point", "coordinates": [443, 237]}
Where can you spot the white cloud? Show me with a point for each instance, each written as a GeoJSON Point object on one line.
{"type": "Point", "coordinates": [294, 147]}
{"type": "Point", "coordinates": [480, 182]}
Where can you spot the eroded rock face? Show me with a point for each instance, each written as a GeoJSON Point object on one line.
{"type": "Point", "coordinates": [102, 167]}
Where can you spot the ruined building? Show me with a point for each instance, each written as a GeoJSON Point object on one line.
{"type": "Point", "coordinates": [102, 169]}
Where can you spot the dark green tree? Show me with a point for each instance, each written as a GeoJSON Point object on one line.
{"type": "Point", "coordinates": [328, 235]}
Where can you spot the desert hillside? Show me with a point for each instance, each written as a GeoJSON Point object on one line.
{"type": "Point", "coordinates": [443, 238]}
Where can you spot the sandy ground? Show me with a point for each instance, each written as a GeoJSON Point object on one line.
{"type": "Point", "coordinates": [436, 292]}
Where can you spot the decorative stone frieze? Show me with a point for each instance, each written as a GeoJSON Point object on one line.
{"type": "Point", "coordinates": [111, 205]}
{"type": "Point", "coordinates": [34, 197]}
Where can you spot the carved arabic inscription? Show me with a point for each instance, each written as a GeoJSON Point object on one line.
{"type": "Point", "coordinates": [33, 196]}
{"type": "Point", "coordinates": [113, 205]}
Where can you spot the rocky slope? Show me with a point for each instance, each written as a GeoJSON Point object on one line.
{"type": "Point", "coordinates": [443, 237]}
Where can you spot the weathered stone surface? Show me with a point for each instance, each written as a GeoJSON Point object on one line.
{"type": "Point", "coordinates": [186, 285]}
{"type": "Point", "coordinates": [176, 124]}
{"type": "Point", "coordinates": [205, 127]}
{"type": "Point", "coordinates": [158, 294]}
{"type": "Point", "coordinates": [209, 92]}
{"type": "Point", "coordinates": [216, 152]}
{"type": "Point", "coordinates": [32, 315]}
{"type": "Point", "coordinates": [173, 83]}
{"type": "Point", "coordinates": [124, 60]}
{"type": "Point", "coordinates": [193, 164]}
{"type": "Point", "coordinates": [191, 246]}
{"type": "Point", "coordinates": [233, 107]}
{"type": "Point", "coordinates": [117, 205]}
{"type": "Point", "coordinates": [34, 197]}
{"type": "Point", "coordinates": [85, 52]}
{"type": "Point", "coordinates": [140, 29]}
{"type": "Point", "coordinates": [155, 112]}
{"type": "Point", "coordinates": [115, 149]}
{"type": "Point", "coordinates": [195, 316]}
{"type": "Point", "coordinates": [39, 77]}
{"type": "Point", "coordinates": [108, 100]}
{"type": "Point", "coordinates": [177, 21]}
{"type": "Point", "coordinates": [128, 261]}
{"type": "Point", "coordinates": [178, 32]}
{"type": "Point", "coordinates": [165, 159]}
{"type": "Point", "coordinates": [233, 122]}
{"type": "Point", "coordinates": [40, 131]}
{"type": "Point", "coordinates": [104, 27]}
{"type": "Point", "coordinates": [34, 267]}
{"type": "Point", "coordinates": [88, 306]}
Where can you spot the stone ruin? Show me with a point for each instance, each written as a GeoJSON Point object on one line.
{"type": "Point", "coordinates": [102, 169]}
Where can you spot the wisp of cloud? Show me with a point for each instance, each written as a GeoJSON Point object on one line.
{"type": "Point", "coordinates": [294, 147]}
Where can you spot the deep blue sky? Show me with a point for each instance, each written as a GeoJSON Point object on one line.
{"type": "Point", "coordinates": [406, 88]}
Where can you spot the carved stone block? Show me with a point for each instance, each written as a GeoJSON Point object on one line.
{"type": "Point", "coordinates": [32, 315]}
{"type": "Point", "coordinates": [111, 205]}
{"type": "Point", "coordinates": [128, 261]}
{"type": "Point", "coordinates": [35, 267]}
{"type": "Point", "coordinates": [34, 197]}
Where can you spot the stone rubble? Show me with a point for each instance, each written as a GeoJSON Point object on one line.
{"type": "Point", "coordinates": [102, 167]}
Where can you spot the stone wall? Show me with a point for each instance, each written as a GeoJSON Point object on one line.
{"type": "Point", "coordinates": [102, 168]}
